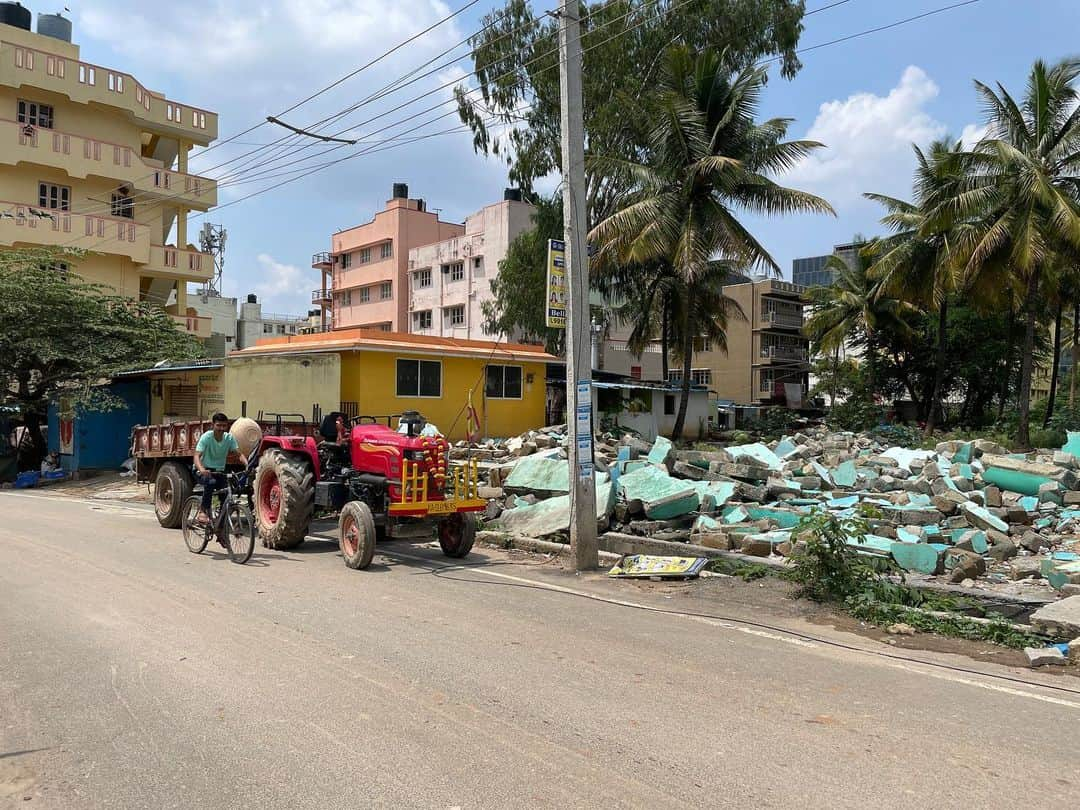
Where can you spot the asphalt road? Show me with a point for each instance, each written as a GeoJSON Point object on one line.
{"type": "Point", "coordinates": [134, 674]}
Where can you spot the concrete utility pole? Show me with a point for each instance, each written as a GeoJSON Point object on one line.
{"type": "Point", "coordinates": [578, 338]}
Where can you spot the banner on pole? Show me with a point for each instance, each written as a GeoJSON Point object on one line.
{"type": "Point", "coordinates": [555, 301]}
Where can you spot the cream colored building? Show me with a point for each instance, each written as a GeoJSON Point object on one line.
{"type": "Point", "coordinates": [92, 159]}
{"type": "Point", "coordinates": [449, 281]}
{"type": "Point", "coordinates": [767, 357]}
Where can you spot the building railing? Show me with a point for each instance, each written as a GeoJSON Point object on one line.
{"type": "Point", "coordinates": [322, 258]}
{"type": "Point", "coordinates": [784, 353]}
{"type": "Point", "coordinates": [322, 296]}
{"type": "Point", "coordinates": [776, 286]}
{"type": "Point", "coordinates": [788, 320]}
{"type": "Point", "coordinates": [53, 147]}
{"type": "Point", "coordinates": [181, 260]}
{"type": "Point", "coordinates": [84, 81]}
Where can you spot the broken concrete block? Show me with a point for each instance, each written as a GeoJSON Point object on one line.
{"type": "Point", "coordinates": [1003, 550]}
{"type": "Point", "coordinates": [490, 493]}
{"type": "Point", "coordinates": [992, 497]}
{"type": "Point", "coordinates": [1033, 542]}
{"type": "Point", "coordinates": [963, 565]}
{"type": "Point", "coordinates": [756, 546]}
{"type": "Point", "coordinates": [844, 475]}
{"type": "Point", "coordinates": [1071, 498]}
{"type": "Point", "coordinates": [661, 495]}
{"type": "Point", "coordinates": [1074, 650]}
{"type": "Point", "coordinates": [661, 452]}
{"type": "Point", "coordinates": [745, 471]}
{"type": "Point", "coordinates": [542, 474]}
{"type": "Point", "coordinates": [553, 515]}
{"type": "Point", "coordinates": [981, 518]}
{"type": "Point", "coordinates": [1062, 574]}
{"type": "Point", "coordinates": [920, 557]}
{"type": "Point", "coordinates": [718, 540]}
{"type": "Point", "coordinates": [756, 455]}
{"type": "Point", "coordinates": [1025, 568]}
{"type": "Point", "coordinates": [1061, 618]}
{"type": "Point", "coordinates": [685, 469]}
{"type": "Point", "coordinates": [974, 540]}
{"type": "Point", "coordinates": [1044, 656]}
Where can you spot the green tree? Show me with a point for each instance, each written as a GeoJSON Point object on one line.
{"type": "Point", "coordinates": [854, 311]}
{"type": "Point", "coordinates": [518, 305]}
{"type": "Point", "coordinates": [516, 64]}
{"type": "Point", "coordinates": [64, 337]}
{"type": "Point", "coordinates": [707, 160]}
{"type": "Point", "coordinates": [1024, 191]}
{"type": "Point", "coordinates": [916, 264]}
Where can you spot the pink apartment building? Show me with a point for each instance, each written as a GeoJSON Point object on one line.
{"type": "Point", "coordinates": [450, 280]}
{"type": "Point", "coordinates": [366, 273]}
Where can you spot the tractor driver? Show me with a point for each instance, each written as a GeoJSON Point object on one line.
{"type": "Point", "coordinates": [211, 453]}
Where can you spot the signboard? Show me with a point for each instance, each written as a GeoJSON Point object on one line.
{"type": "Point", "coordinates": [648, 567]}
{"type": "Point", "coordinates": [555, 301]}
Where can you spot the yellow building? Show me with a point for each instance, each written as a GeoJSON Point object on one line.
{"type": "Point", "coordinates": [92, 159]}
{"type": "Point", "coordinates": [361, 371]}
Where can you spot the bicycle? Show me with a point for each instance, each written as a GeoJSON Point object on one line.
{"type": "Point", "coordinates": [232, 524]}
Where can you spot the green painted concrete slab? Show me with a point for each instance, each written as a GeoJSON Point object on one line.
{"type": "Point", "coordinates": [661, 451]}
{"type": "Point", "coordinates": [756, 451]}
{"type": "Point", "coordinates": [919, 557]}
{"type": "Point", "coordinates": [844, 475]}
{"type": "Point", "coordinates": [552, 516]}
{"type": "Point", "coordinates": [664, 497]}
{"type": "Point", "coordinates": [1023, 483]}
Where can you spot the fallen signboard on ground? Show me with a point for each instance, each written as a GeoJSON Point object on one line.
{"type": "Point", "coordinates": [647, 566]}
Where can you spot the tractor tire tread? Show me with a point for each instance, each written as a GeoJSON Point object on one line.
{"type": "Point", "coordinates": [297, 500]}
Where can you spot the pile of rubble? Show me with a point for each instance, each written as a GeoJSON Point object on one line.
{"type": "Point", "coordinates": [968, 513]}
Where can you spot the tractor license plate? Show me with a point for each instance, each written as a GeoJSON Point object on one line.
{"type": "Point", "coordinates": [440, 507]}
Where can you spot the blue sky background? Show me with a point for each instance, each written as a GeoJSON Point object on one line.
{"type": "Point", "coordinates": [867, 99]}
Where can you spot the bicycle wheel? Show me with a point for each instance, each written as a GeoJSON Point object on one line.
{"type": "Point", "coordinates": [240, 528]}
{"type": "Point", "coordinates": [196, 532]}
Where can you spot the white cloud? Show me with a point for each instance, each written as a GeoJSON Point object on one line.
{"type": "Point", "coordinates": [868, 142]}
{"type": "Point", "coordinates": [282, 287]}
{"type": "Point", "coordinates": [972, 134]}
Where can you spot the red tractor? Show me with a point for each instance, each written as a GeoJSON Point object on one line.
{"type": "Point", "coordinates": [378, 479]}
{"type": "Point", "coordinates": [382, 482]}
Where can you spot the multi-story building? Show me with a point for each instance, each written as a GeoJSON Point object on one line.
{"type": "Point", "coordinates": [450, 280]}
{"type": "Point", "coordinates": [254, 325]}
{"type": "Point", "coordinates": [812, 272]}
{"type": "Point", "coordinates": [221, 310]}
{"type": "Point", "coordinates": [766, 352]}
{"type": "Point", "coordinates": [92, 159]}
{"type": "Point", "coordinates": [366, 272]}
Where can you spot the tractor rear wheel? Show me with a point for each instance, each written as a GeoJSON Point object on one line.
{"type": "Point", "coordinates": [457, 534]}
{"type": "Point", "coordinates": [356, 534]}
{"type": "Point", "coordinates": [284, 499]}
{"type": "Point", "coordinates": [172, 487]}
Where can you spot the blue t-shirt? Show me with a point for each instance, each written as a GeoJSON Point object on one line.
{"type": "Point", "coordinates": [215, 453]}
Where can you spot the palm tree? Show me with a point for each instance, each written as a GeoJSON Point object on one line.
{"type": "Point", "coordinates": [917, 263]}
{"type": "Point", "coordinates": [1026, 175]}
{"type": "Point", "coordinates": [853, 310]}
{"type": "Point", "coordinates": [707, 159]}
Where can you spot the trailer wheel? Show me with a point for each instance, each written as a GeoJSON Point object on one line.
{"type": "Point", "coordinates": [356, 534]}
{"type": "Point", "coordinates": [457, 534]}
{"type": "Point", "coordinates": [172, 487]}
{"type": "Point", "coordinates": [284, 499]}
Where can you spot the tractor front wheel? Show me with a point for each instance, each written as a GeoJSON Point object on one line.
{"type": "Point", "coordinates": [284, 499]}
{"type": "Point", "coordinates": [356, 534]}
{"type": "Point", "coordinates": [457, 534]}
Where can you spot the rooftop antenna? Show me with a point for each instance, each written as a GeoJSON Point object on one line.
{"type": "Point", "coordinates": [212, 240]}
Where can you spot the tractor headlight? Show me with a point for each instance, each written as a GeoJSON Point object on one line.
{"type": "Point", "coordinates": [415, 455]}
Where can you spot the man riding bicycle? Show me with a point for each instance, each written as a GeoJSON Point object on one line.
{"type": "Point", "coordinates": [211, 453]}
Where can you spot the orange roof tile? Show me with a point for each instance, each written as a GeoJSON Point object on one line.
{"type": "Point", "coordinates": [354, 339]}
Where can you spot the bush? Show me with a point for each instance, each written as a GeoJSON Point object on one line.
{"type": "Point", "coordinates": [903, 435]}
{"type": "Point", "coordinates": [855, 415]}
{"type": "Point", "coordinates": [828, 569]}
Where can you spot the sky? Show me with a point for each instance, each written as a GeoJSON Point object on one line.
{"type": "Point", "coordinates": [867, 100]}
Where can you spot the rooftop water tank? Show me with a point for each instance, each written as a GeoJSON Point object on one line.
{"type": "Point", "coordinates": [56, 26]}
{"type": "Point", "coordinates": [252, 298]}
{"type": "Point", "coordinates": [512, 194]}
{"type": "Point", "coordinates": [401, 191]}
{"type": "Point", "coordinates": [14, 14]}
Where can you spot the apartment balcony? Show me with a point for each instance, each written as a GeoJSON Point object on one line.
{"type": "Point", "coordinates": [87, 83]}
{"type": "Point", "coordinates": [322, 297]}
{"type": "Point", "coordinates": [22, 224]}
{"type": "Point", "coordinates": [781, 320]}
{"type": "Point", "coordinates": [184, 265]}
{"type": "Point", "coordinates": [322, 261]}
{"type": "Point", "coordinates": [83, 157]}
{"type": "Point", "coordinates": [195, 325]}
{"type": "Point", "coordinates": [785, 354]}
{"type": "Point", "coordinates": [777, 287]}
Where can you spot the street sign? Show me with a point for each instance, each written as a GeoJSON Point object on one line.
{"type": "Point", "coordinates": [555, 301]}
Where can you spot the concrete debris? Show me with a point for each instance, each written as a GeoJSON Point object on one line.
{"type": "Point", "coordinates": [964, 512]}
{"type": "Point", "coordinates": [1044, 656]}
{"type": "Point", "coordinates": [900, 629]}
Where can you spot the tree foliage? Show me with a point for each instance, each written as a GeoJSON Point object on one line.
{"type": "Point", "coordinates": [60, 335]}
{"type": "Point", "coordinates": [518, 306]}
{"type": "Point", "coordinates": [515, 114]}
{"type": "Point", "coordinates": [707, 161]}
